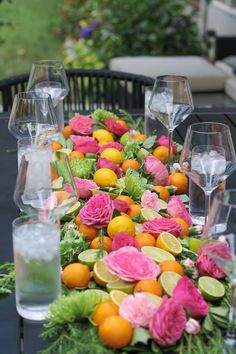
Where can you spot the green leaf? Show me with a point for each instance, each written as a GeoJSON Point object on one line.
{"type": "Point", "coordinates": [140, 335]}
{"type": "Point", "coordinates": [62, 140]}
{"type": "Point", "coordinates": [150, 142]}
{"type": "Point", "coordinates": [100, 114]}
{"type": "Point", "coordinates": [134, 184]}
{"type": "Point", "coordinates": [207, 324]}
{"type": "Point", "coordinates": [184, 198]}
{"type": "Point", "coordinates": [7, 278]}
{"type": "Point", "coordinates": [69, 144]}
{"type": "Point", "coordinates": [82, 168]}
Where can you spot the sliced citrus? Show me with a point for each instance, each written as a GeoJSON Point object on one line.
{"type": "Point", "coordinates": [211, 288]}
{"type": "Point", "coordinates": [117, 296]}
{"type": "Point", "coordinates": [71, 212]}
{"type": "Point", "coordinates": [101, 274]}
{"type": "Point", "coordinates": [168, 281]}
{"type": "Point", "coordinates": [169, 243]}
{"type": "Point", "coordinates": [154, 298]}
{"type": "Point", "coordinates": [162, 204]}
{"type": "Point", "coordinates": [121, 285]}
{"type": "Point", "coordinates": [157, 254]}
{"type": "Point", "coordinates": [147, 214]}
{"type": "Point", "coordinates": [90, 257]}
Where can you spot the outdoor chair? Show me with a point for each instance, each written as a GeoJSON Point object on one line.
{"type": "Point", "coordinates": [89, 90]}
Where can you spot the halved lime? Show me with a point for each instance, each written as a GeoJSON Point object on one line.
{"type": "Point", "coordinates": [138, 228]}
{"type": "Point", "coordinates": [157, 254]}
{"type": "Point", "coordinates": [71, 212]}
{"type": "Point", "coordinates": [153, 298]}
{"type": "Point", "coordinates": [90, 257]}
{"type": "Point", "coordinates": [117, 296]}
{"type": "Point", "coordinates": [162, 204]}
{"type": "Point", "coordinates": [194, 244]}
{"type": "Point", "coordinates": [168, 281]}
{"type": "Point", "coordinates": [57, 183]}
{"type": "Point", "coordinates": [101, 273]}
{"type": "Point", "coordinates": [211, 288]}
{"type": "Point", "coordinates": [148, 214]}
{"type": "Point", "coordinates": [142, 154]}
{"type": "Point", "coordinates": [121, 285]}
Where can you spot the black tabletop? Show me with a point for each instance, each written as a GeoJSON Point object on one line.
{"type": "Point", "coordinates": [17, 335]}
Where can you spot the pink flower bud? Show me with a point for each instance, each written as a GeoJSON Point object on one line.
{"type": "Point", "coordinates": [192, 326]}
{"type": "Point", "coordinates": [188, 263]}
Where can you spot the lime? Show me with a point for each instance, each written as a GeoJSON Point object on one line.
{"type": "Point", "coordinates": [169, 243]}
{"type": "Point", "coordinates": [57, 183]}
{"type": "Point", "coordinates": [125, 138]}
{"type": "Point", "coordinates": [71, 212]}
{"type": "Point", "coordinates": [162, 204]}
{"type": "Point", "coordinates": [117, 296]}
{"type": "Point", "coordinates": [194, 244]}
{"type": "Point", "coordinates": [168, 281]}
{"type": "Point", "coordinates": [101, 273]}
{"type": "Point", "coordinates": [90, 257]}
{"type": "Point", "coordinates": [97, 191]}
{"type": "Point", "coordinates": [211, 289]}
{"type": "Point", "coordinates": [142, 154]}
{"type": "Point", "coordinates": [121, 285]}
{"type": "Point", "coordinates": [157, 254]}
{"type": "Point", "coordinates": [148, 214]}
{"type": "Point", "coordinates": [153, 298]}
{"type": "Point", "coordinates": [138, 228]}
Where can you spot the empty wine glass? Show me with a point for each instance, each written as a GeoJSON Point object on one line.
{"type": "Point", "coordinates": [33, 115]}
{"type": "Point", "coordinates": [48, 76]}
{"type": "Point", "coordinates": [221, 226]}
{"type": "Point", "coordinates": [208, 156]}
{"type": "Point", "coordinates": [171, 103]}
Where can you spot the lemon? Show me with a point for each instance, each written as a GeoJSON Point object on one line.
{"type": "Point", "coordinates": [148, 214]}
{"type": "Point", "coordinates": [105, 177]}
{"type": "Point", "coordinates": [153, 298]}
{"type": "Point", "coordinates": [112, 154]}
{"type": "Point", "coordinates": [103, 135]}
{"type": "Point", "coordinates": [121, 285]}
{"type": "Point", "coordinates": [121, 223]}
{"type": "Point", "coordinates": [157, 254]}
{"type": "Point", "coordinates": [168, 281]}
{"type": "Point", "coordinates": [169, 243]}
{"type": "Point", "coordinates": [101, 273]}
{"type": "Point", "coordinates": [117, 296]}
{"type": "Point", "coordinates": [211, 289]}
{"type": "Point", "coordinates": [91, 256]}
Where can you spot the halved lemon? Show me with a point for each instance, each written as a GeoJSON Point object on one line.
{"type": "Point", "coordinates": [121, 285]}
{"type": "Point", "coordinates": [169, 243]}
{"type": "Point", "coordinates": [101, 274]}
{"type": "Point", "coordinates": [117, 296]}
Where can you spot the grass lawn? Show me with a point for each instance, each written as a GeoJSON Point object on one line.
{"type": "Point", "coordinates": [31, 35]}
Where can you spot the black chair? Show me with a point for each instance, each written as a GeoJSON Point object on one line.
{"type": "Point", "coordinates": [89, 90]}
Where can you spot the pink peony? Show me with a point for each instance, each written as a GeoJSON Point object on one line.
{"type": "Point", "coordinates": [84, 144]}
{"type": "Point", "coordinates": [192, 327]}
{"type": "Point", "coordinates": [84, 187]}
{"type": "Point", "coordinates": [158, 170]}
{"type": "Point", "coordinates": [188, 263]}
{"type": "Point", "coordinates": [206, 264]}
{"type": "Point", "coordinates": [164, 141]}
{"type": "Point", "coordinates": [81, 124]}
{"type": "Point", "coordinates": [102, 162]}
{"type": "Point", "coordinates": [123, 239]}
{"type": "Point", "coordinates": [137, 309]}
{"type": "Point", "coordinates": [158, 225]}
{"type": "Point", "coordinates": [131, 265]}
{"type": "Point", "coordinates": [150, 200]}
{"type": "Point", "coordinates": [168, 323]}
{"type": "Point", "coordinates": [97, 211]}
{"type": "Point", "coordinates": [188, 295]}
{"type": "Point", "coordinates": [177, 209]}
{"type": "Point", "coordinates": [121, 205]}
{"type": "Point", "coordinates": [113, 144]}
{"type": "Point", "coordinates": [115, 127]}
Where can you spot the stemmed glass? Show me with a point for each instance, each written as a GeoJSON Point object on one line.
{"type": "Point", "coordinates": [208, 156]}
{"type": "Point", "coordinates": [221, 226]}
{"type": "Point", "coordinates": [48, 76]}
{"type": "Point", "coordinates": [171, 103]}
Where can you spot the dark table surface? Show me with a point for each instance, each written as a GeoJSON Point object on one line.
{"type": "Point", "coordinates": [21, 336]}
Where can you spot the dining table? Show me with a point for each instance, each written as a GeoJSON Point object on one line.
{"type": "Point", "coordinates": [23, 336]}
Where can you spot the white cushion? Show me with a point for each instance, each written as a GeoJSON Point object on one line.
{"type": "Point", "coordinates": [230, 88]}
{"type": "Point", "coordinates": [203, 76]}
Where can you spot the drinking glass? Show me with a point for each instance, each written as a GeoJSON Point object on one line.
{"type": "Point", "coordinates": [221, 226]}
{"type": "Point", "coordinates": [33, 115]}
{"type": "Point", "coordinates": [171, 103]}
{"type": "Point", "coordinates": [208, 156]}
{"type": "Point", "coordinates": [49, 76]}
{"type": "Point", "coordinates": [36, 247]}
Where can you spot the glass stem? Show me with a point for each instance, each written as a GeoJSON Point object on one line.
{"type": "Point", "coordinates": [207, 204]}
{"type": "Point", "coordinates": [170, 141]}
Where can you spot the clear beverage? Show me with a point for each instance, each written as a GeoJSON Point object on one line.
{"type": "Point", "coordinates": [172, 114]}
{"type": "Point", "coordinates": [37, 266]}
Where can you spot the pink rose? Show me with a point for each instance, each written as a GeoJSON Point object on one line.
{"type": "Point", "coordinates": [102, 162]}
{"type": "Point", "coordinates": [84, 144]}
{"type": "Point", "coordinates": [121, 205]}
{"type": "Point", "coordinates": [158, 170]}
{"type": "Point", "coordinates": [192, 327]}
{"type": "Point", "coordinates": [97, 211]}
{"type": "Point", "coordinates": [150, 200]}
{"type": "Point", "coordinates": [188, 295]}
{"type": "Point", "coordinates": [177, 209]}
{"type": "Point", "coordinates": [168, 323]}
{"type": "Point", "coordinates": [164, 141]}
{"type": "Point", "coordinates": [158, 225]}
{"type": "Point", "coordinates": [188, 263]}
{"type": "Point", "coordinates": [131, 265]}
{"type": "Point", "coordinates": [83, 186]}
{"type": "Point", "coordinates": [115, 127]}
{"type": "Point", "coordinates": [206, 264]}
{"type": "Point", "coordinates": [113, 144]}
{"type": "Point", "coordinates": [137, 309]}
{"type": "Point", "coordinates": [123, 239]}
{"type": "Point", "coordinates": [81, 124]}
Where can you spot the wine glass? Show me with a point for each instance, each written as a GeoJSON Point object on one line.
{"type": "Point", "coordinates": [33, 115]}
{"type": "Point", "coordinates": [208, 156]}
{"type": "Point", "coordinates": [49, 76]}
{"type": "Point", "coordinates": [221, 227]}
{"type": "Point", "coordinates": [171, 103]}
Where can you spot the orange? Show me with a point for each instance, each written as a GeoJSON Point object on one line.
{"type": "Point", "coordinates": [134, 210]}
{"type": "Point", "coordinates": [76, 275]}
{"type": "Point", "coordinates": [56, 146]}
{"type": "Point", "coordinates": [139, 136]}
{"type": "Point", "coordinates": [148, 286]}
{"type": "Point", "coordinates": [122, 122]}
{"type": "Point", "coordinates": [145, 239]}
{"type": "Point", "coordinates": [112, 154]}
{"type": "Point", "coordinates": [104, 243]}
{"type": "Point", "coordinates": [125, 198]}
{"type": "Point", "coordinates": [162, 192]}
{"type": "Point", "coordinates": [77, 154]}
{"type": "Point", "coordinates": [184, 225]}
{"type": "Point", "coordinates": [180, 181]}
{"type": "Point", "coordinates": [78, 220]}
{"type": "Point", "coordinates": [130, 163]}
{"type": "Point", "coordinates": [172, 266]}
{"type": "Point", "coordinates": [161, 153]}
{"type": "Point", "coordinates": [67, 131]}
{"type": "Point", "coordinates": [121, 223]}
{"type": "Point", "coordinates": [53, 172]}
{"type": "Point", "coordinates": [89, 232]}
{"type": "Point", "coordinates": [115, 332]}
{"type": "Point", "coordinates": [104, 310]}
